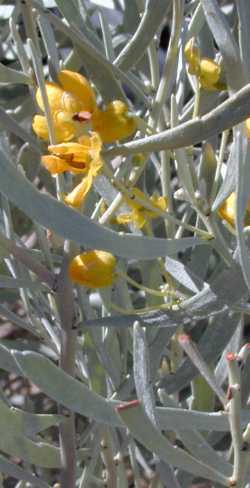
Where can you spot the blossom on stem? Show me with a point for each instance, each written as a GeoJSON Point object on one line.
{"type": "Point", "coordinates": [207, 71]}
{"type": "Point", "coordinates": [139, 214]}
{"type": "Point", "coordinates": [77, 196]}
{"type": "Point", "coordinates": [94, 269]}
{"type": "Point", "coordinates": [74, 110]}
{"type": "Point", "coordinates": [71, 105]}
{"type": "Point", "coordinates": [114, 123]}
{"type": "Point", "coordinates": [76, 157]}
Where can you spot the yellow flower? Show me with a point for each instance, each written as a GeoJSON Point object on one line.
{"type": "Point", "coordinates": [114, 123]}
{"type": "Point", "coordinates": [74, 110]}
{"type": "Point", "coordinates": [209, 75]}
{"type": "Point", "coordinates": [206, 70]}
{"type": "Point", "coordinates": [76, 157]}
{"type": "Point", "coordinates": [139, 214]}
{"type": "Point", "coordinates": [94, 269]}
{"type": "Point", "coordinates": [71, 104]}
{"type": "Point", "coordinates": [93, 147]}
{"type": "Point", "coordinates": [227, 210]}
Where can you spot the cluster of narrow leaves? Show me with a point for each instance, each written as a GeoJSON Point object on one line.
{"type": "Point", "coordinates": [124, 240]}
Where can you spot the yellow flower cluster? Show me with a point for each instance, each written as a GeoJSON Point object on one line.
{"type": "Point", "coordinates": [207, 71]}
{"type": "Point", "coordinates": [74, 112]}
{"type": "Point", "coordinates": [80, 129]}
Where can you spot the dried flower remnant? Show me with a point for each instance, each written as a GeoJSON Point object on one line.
{"type": "Point", "coordinates": [140, 214]}
{"type": "Point", "coordinates": [74, 95]}
{"type": "Point", "coordinates": [93, 269]}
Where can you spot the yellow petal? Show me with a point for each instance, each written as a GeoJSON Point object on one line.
{"type": "Point", "coordinates": [124, 218]}
{"type": "Point", "coordinates": [40, 127]}
{"type": "Point", "coordinates": [113, 123]}
{"type": "Point", "coordinates": [139, 218]}
{"type": "Point", "coordinates": [135, 192]}
{"type": "Point", "coordinates": [77, 196]}
{"type": "Point", "coordinates": [55, 165]}
{"type": "Point", "coordinates": [80, 88]}
{"type": "Point", "coordinates": [64, 131]}
{"type": "Point", "coordinates": [54, 93]}
{"type": "Point", "coordinates": [209, 73]}
{"type": "Point", "coordinates": [94, 269]}
{"type": "Point", "coordinates": [60, 100]}
{"type": "Point", "coordinates": [227, 209]}
{"type": "Point", "coordinates": [159, 202]}
{"type": "Point", "coordinates": [71, 151]}
{"type": "Point", "coordinates": [192, 55]}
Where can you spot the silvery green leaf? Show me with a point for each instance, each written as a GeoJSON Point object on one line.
{"type": "Point", "coordinates": [182, 162]}
{"type": "Point", "coordinates": [242, 197]}
{"type": "Point", "coordinates": [107, 37]}
{"type": "Point", "coordinates": [12, 126]}
{"type": "Point", "coordinates": [112, 345]}
{"type": "Point", "coordinates": [183, 275]}
{"type": "Point", "coordinates": [31, 423]}
{"type": "Point", "coordinates": [71, 11]}
{"type": "Point", "coordinates": [181, 419]}
{"type": "Point", "coordinates": [167, 475]}
{"type": "Point", "coordinates": [64, 389]}
{"type": "Point", "coordinates": [196, 443]}
{"type": "Point", "coordinates": [233, 346]}
{"type": "Point", "coordinates": [243, 8]}
{"type": "Point", "coordinates": [7, 363]}
{"type": "Point", "coordinates": [219, 293]}
{"type": "Point", "coordinates": [105, 356]}
{"type": "Point", "coordinates": [152, 18]}
{"type": "Point", "coordinates": [50, 44]}
{"type": "Point", "coordinates": [66, 222]}
{"type": "Point", "coordinates": [143, 385]}
{"type": "Point", "coordinates": [17, 445]}
{"type": "Point", "coordinates": [11, 469]}
{"type": "Point", "coordinates": [144, 431]}
{"type": "Point", "coordinates": [211, 344]}
{"type": "Point", "coordinates": [229, 181]}
{"type": "Point", "coordinates": [9, 75]}
{"type": "Point", "coordinates": [157, 346]}
{"type": "Point", "coordinates": [202, 366]}
{"type": "Point", "coordinates": [169, 319]}
{"type": "Point", "coordinates": [196, 22]}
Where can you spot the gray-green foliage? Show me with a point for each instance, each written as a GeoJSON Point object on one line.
{"type": "Point", "coordinates": [135, 380]}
